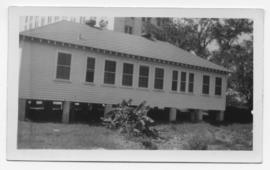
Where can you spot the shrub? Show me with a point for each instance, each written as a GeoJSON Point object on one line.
{"type": "Point", "coordinates": [131, 120]}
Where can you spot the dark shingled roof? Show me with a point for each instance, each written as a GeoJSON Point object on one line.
{"type": "Point", "coordinates": [80, 34]}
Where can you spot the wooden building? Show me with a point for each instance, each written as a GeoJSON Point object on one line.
{"type": "Point", "coordinates": [71, 62]}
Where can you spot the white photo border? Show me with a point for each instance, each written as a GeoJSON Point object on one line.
{"type": "Point", "coordinates": [254, 156]}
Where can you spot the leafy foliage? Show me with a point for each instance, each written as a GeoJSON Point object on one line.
{"type": "Point", "coordinates": [131, 120]}
{"type": "Point", "coordinates": [227, 42]}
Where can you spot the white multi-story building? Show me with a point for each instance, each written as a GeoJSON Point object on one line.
{"type": "Point", "coordinates": [31, 22]}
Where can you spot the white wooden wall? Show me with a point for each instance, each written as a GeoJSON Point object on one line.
{"type": "Point", "coordinates": [38, 81]}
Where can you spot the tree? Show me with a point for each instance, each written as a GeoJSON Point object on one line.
{"type": "Point", "coordinates": [190, 34]}
{"type": "Point", "coordinates": [232, 39]}
{"type": "Point", "coordinates": [103, 23]}
{"type": "Point", "coordinates": [235, 42]}
{"type": "Point", "coordinates": [91, 22]}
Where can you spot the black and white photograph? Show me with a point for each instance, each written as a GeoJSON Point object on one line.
{"type": "Point", "coordinates": [101, 82]}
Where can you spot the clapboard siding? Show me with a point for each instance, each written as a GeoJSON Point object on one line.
{"type": "Point", "coordinates": [38, 80]}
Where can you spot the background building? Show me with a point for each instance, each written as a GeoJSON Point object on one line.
{"type": "Point", "coordinates": [31, 22]}
{"type": "Point", "coordinates": [137, 25]}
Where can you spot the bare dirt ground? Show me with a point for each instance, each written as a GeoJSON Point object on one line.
{"type": "Point", "coordinates": [180, 136]}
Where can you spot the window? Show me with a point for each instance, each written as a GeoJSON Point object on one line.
{"type": "Point", "coordinates": [56, 18]}
{"type": "Point", "coordinates": [63, 66]}
{"type": "Point", "coordinates": [218, 86]}
{"type": "Point", "coordinates": [183, 81]}
{"type": "Point", "coordinates": [174, 80]}
{"type": "Point", "coordinates": [143, 76]}
{"type": "Point", "coordinates": [206, 81]}
{"type": "Point", "coordinates": [143, 19]}
{"type": "Point", "coordinates": [90, 70]}
{"type": "Point", "coordinates": [159, 75]}
{"type": "Point", "coordinates": [109, 74]}
{"type": "Point", "coordinates": [148, 20]}
{"type": "Point", "coordinates": [128, 29]}
{"type": "Point", "coordinates": [190, 82]}
{"type": "Point", "coordinates": [127, 74]}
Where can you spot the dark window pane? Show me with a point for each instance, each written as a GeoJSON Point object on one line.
{"type": "Point", "coordinates": [127, 80]}
{"type": "Point", "coordinates": [191, 82]}
{"type": "Point", "coordinates": [143, 76]}
{"type": "Point", "coordinates": [218, 81]}
{"type": "Point", "coordinates": [183, 86]}
{"type": "Point", "coordinates": [64, 59]}
{"type": "Point", "coordinates": [110, 66]}
{"type": "Point", "coordinates": [127, 74]}
{"type": "Point", "coordinates": [175, 75]}
{"type": "Point", "coordinates": [159, 74]}
{"type": "Point", "coordinates": [183, 76]}
{"type": "Point", "coordinates": [89, 76]}
{"type": "Point", "coordinates": [183, 81]}
{"type": "Point", "coordinates": [206, 80]}
{"type": "Point", "coordinates": [90, 63]}
{"type": "Point", "coordinates": [158, 84]}
{"type": "Point", "coordinates": [205, 89]}
{"type": "Point", "coordinates": [174, 86]}
{"type": "Point", "coordinates": [128, 68]}
{"type": "Point", "coordinates": [109, 78]}
{"type": "Point", "coordinates": [62, 72]}
{"type": "Point", "coordinates": [218, 86]}
{"type": "Point", "coordinates": [174, 80]}
{"type": "Point", "coordinates": [143, 82]}
{"type": "Point", "coordinates": [144, 71]}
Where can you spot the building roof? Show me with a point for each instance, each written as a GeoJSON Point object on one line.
{"type": "Point", "coordinates": [81, 34]}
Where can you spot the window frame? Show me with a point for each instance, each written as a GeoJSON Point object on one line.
{"type": "Point", "coordinates": [175, 80]}
{"type": "Point", "coordinates": [148, 76]}
{"type": "Point", "coordinates": [203, 84]}
{"type": "Point", "coordinates": [86, 70]}
{"type": "Point", "coordinates": [127, 74]}
{"type": "Point", "coordinates": [159, 78]}
{"type": "Point", "coordinates": [56, 65]}
{"type": "Point", "coordinates": [183, 82]}
{"type": "Point", "coordinates": [128, 29]}
{"type": "Point", "coordinates": [219, 86]}
{"type": "Point", "coordinates": [189, 82]}
{"type": "Point", "coordinates": [110, 72]}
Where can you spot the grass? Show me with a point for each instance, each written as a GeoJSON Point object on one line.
{"type": "Point", "coordinates": [181, 136]}
{"type": "Point", "coordinates": [69, 136]}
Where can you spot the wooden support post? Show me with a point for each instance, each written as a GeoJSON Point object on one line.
{"type": "Point", "coordinates": [199, 115]}
{"type": "Point", "coordinates": [220, 116]}
{"type": "Point", "coordinates": [66, 111]}
{"type": "Point", "coordinates": [196, 116]}
{"type": "Point", "coordinates": [173, 114]}
{"type": "Point", "coordinates": [22, 109]}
